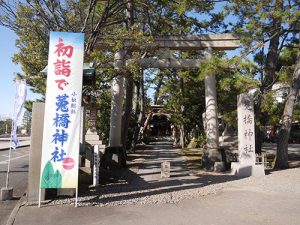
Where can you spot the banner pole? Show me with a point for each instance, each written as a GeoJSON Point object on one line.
{"type": "Point", "coordinates": [76, 195]}
{"type": "Point", "coordinates": [80, 133]}
{"type": "Point", "coordinates": [9, 154]}
{"type": "Point", "coordinates": [8, 166]}
{"type": "Point", "coordinates": [76, 198]}
{"type": "Point", "coordinates": [40, 196]}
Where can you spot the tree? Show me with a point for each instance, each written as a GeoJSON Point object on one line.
{"type": "Point", "coordinates": [104, 23]}
{"type": "Point", "coordinates": [5, 126]}
{"type": "Point", "coordinates": [27, 121]}
{"type": "Point", "coordinates": [287, 118]}
{"type": "Point", "coordinates": [174, 94]}
{"type": "Point", "coordinates": [266, 27]}
{"type": "Point", "coordinates": [33, 20]}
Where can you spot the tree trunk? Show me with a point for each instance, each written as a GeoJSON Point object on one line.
{"type": "Point", "coordinates": [129, 84]}
{"type": "Point", "coordinates": [157, 89]}
{"type": "Point", "coordinates": [269, 76]}
{"type": "Point", "coordinates": [182, 130]}
{"type": "Point", "coordinates": [141, 113]}
{"type": "Point", "coordinates": [284, 133]}
{"type": "Point", "coordinates": [135, 99]}
{"type": "Point", "coordinates": [128, 108]}
{"type": "Point", "coordinates": [182, 135]}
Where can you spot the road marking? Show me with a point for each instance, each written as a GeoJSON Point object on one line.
{"type": "Point", "coordinates": [17, 153]}
{"type": "Point", "coordinates": [12, 159]}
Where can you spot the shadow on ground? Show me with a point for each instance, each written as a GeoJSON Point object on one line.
{"type": "Point", "coordinates": [142, 177]}
{"type": "Point", "coordinates": [142, 180]}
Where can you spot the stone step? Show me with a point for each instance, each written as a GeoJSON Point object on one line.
{"type": "Point", "coordinates": [94, 142]}
{"type": "Point", "coordinates": [93, 137]}
{"type": "Point", "coordinates": [228, 139]}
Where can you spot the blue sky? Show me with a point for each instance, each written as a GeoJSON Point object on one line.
{"type": "Point", "coordinates": [75, 38]}
{"type": "Point", "coordinates": [7, 73]}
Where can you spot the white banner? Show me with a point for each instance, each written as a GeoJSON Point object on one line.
{"type": "Point", "coordinates": [60, 152]}
{"type": "Point", "coordinates": [19, 102]}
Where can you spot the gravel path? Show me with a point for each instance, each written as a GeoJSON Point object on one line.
{"type": "Point", "coordinates": [141, 183]}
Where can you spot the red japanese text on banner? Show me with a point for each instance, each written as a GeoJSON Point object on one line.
{"type": "Point", "coordinates": [60, 151]}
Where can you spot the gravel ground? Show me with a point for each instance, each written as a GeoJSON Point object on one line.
{"type": "Point", "coordinates": [141, 183]}
{"type": "Point", "coordinates": [280, 182]}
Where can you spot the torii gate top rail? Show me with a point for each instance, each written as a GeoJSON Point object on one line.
{"type": "Point", "coordinates": [198, 42]}
{"type": "Point", "coordinates": [185, 43]}
{"type": "Point", "coordinates": [226, 41]}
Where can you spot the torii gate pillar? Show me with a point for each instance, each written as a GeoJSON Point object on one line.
{"type": "Point", "coordinates": [211, 108]}
{"type": "Point", "coordinates": [114, 154]}
{"type": "Point", "coordinates": [117, 90]}
{"type": "Point", "coordinates": [211, 119]}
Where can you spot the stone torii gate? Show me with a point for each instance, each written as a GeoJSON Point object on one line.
{"type": "Point", "coordinates": [208, 43]}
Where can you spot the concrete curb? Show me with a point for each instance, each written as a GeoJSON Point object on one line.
{"type": "Point", "coordinates": [7, 148]}
{"type": "Point", "coordinates": [15, 211]}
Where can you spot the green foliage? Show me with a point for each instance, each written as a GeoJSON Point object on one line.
{"type": "Point", "coordinates": [296, 112]}
{"type": "Point", "coordinates": [234, 76]}
{"type": "Point", "coordinates": [51, 178]}
{"type": "Point", "coordinates": [211, 67]}
{"type": "Point", "coordinates": [201, 140]}
{"type": "Point", "coordinates": [26, 122]}
{"type": "Point", "coordinates": [272, 108]}
{"type": "Point", "coordinates": [190, 99]}
{"type": "Point", "coordinates": [103, 103]}
{"type": "Point", "coordinates": [5, 126]}
{"type": "Point", "coordinates": [106, 22]}
{"type": "Point", "coordinates": [286, 62]}
{"type": "Point", "coordinates": [268, 30]}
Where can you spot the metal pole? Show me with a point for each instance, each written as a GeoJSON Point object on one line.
{"type": "Point", "coordinates": [40, 192]}
{"type": "Point", "coordinates": [96, 166]}
{"type": "Point", "coordinates": [76, 197]}
{"type": "Point", "coordinates": [80, 132]}
{"type": "Point", "coordinates": [9, 154]}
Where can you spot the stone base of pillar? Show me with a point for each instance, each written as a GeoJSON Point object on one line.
{"type": "Point", "coordinates": [209, 158]}
{"type": "Point", "coordinates": [219, 167]}
{"type": "Point", "coordinates": [241, 170]}
{"type": "Point", "coordinates": [113, 158]}
{"type": "Point", "coordinates": [6, 193]}
{"type": "Point", "coordinates": [70, 192]}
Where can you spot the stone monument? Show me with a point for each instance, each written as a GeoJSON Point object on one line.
{"type": "Point", "coordinates": [91, 137]}
{"type": "Point", "coordinates": [246, 139]}
{"type": "Point", "coordinates": [96, 166]}
{"type": "Point", "coordinates": [165, 169]}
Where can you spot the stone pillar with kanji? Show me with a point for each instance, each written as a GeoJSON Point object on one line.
{"type": "Point", "coordinates": [246, 139]}
{"type": "Point", "coordinates": [246, 129]}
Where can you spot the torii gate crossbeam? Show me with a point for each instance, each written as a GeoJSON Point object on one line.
{"type": "Point", "coordinates": [225, 41]}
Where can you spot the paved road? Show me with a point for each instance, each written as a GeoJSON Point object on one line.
{"type": "Point", "coordinates": [271, 148]}
{"type": "Point", "coordinates": [5, 142]}
{"type": "Point", "coordinates": [18, 178]}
